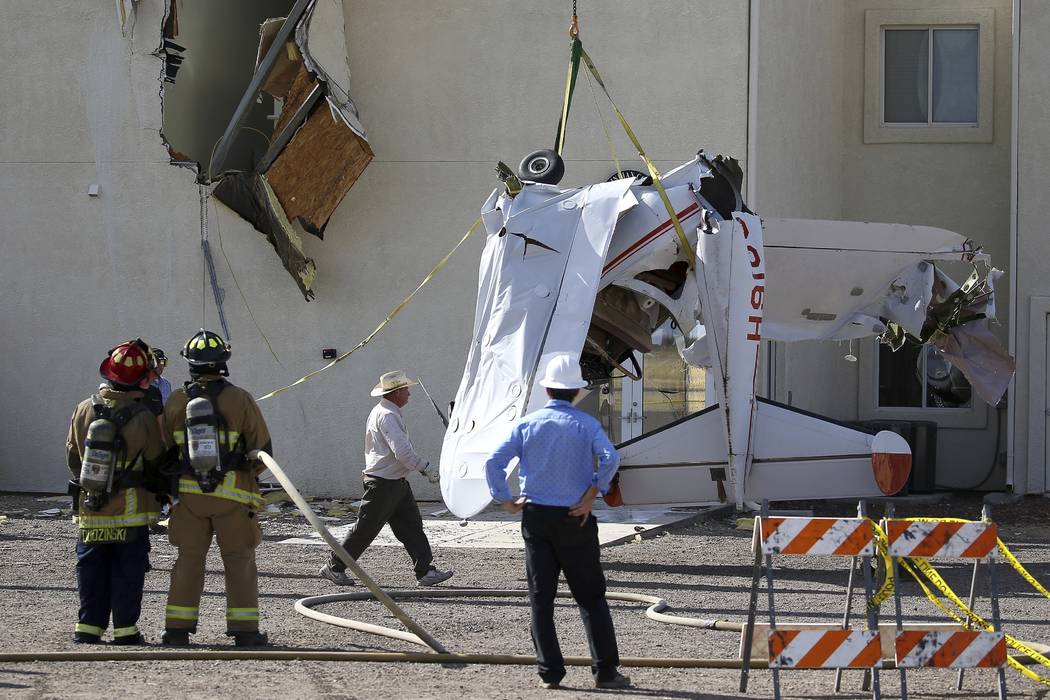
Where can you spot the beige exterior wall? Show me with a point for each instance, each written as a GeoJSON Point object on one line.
{"type": "Point", "coordinates": [1033, 248]}
{"type": "Point", "coordinates": [798, 170]}
{"type": "Point", "coordinates": [964, 187]}
{"type": "Point", "coordinates": [444, 93]}
{"type": "Point", "coordinates": [813, 162]}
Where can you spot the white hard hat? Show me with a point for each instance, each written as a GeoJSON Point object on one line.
{"type": "Point", "coordinates": [563, 372]}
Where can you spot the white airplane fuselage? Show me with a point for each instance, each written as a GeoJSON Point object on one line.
{"type": "Point", "coordinates": [592, 271]}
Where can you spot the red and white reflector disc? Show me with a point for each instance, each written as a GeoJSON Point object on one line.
{"type": "Point", "coordinates": [890, 461]}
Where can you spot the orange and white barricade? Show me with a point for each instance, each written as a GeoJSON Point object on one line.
{"type": "Point", "coordinates": [842, 648]}
{"type": "Point", "coordinates": [962, 648]}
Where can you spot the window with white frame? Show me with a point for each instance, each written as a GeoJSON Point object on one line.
{"type": "Point", "coordinates": [917, 377]}
{"type": "Point", "coordinates": [930, 76]}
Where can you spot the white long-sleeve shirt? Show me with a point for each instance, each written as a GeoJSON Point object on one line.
{"type": "Point", "coordinates": [388, 451]}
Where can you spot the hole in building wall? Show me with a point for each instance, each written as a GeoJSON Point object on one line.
{"type": "Point", "coordinates": [220, 41]}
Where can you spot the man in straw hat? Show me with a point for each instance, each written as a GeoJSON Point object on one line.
{"type": "Point", "coordinates": [388, 498]}
{"type": "Point", "coordinates": [557, 448]}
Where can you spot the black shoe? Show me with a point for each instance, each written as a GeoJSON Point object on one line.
{"type": "Point", "coordinates": [132, 640]}
{"type": "Point", "coordinates": [617, 681]}
{"type": "Point", "coordinates": [175, 638]}
{"type": "Point", "coordinates": [250, 639]}
{"type": "Point", "coordinates": [86, 638]}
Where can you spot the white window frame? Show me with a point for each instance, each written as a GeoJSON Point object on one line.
{"type": "Point", "coordinates": [876, 130]}
{"type": "Point", "coordinates": [929, 123]}
{"type": "Point", "coordinates": [973, 416]}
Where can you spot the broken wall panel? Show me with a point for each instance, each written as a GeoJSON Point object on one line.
{"type": "Point", "coordinates": [318, 148]}
{"type": "Point", "coordinates": [322, 38]}
{"type": "Point", "coordinates": [251, 197]}
{"type": "Point", "coordinates": [301, 85]}
{"type": "Point", "coordinates": [318, 167]}
{"type": "Point", "coordinates": [284, 72]}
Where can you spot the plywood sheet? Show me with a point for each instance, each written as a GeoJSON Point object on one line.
{"type": "Point", "coordinates": [318, 167]}
{"type": "Point", "coordinates": [288, 64]}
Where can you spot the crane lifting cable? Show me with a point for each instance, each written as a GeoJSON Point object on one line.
{"type": "Point", "coordinates": [576, 54]}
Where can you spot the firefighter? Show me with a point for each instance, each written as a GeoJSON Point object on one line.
{"type": "Point", "coordinates": [217, 492]}
{"type": "Point", "coordinates": [113, 450]}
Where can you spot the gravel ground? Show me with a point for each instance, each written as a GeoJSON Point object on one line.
{"type": "Point", "coordinates": [702, 570]}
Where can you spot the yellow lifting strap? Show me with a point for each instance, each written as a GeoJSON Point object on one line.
{"type": "Point", "coordinates": [653, 172]}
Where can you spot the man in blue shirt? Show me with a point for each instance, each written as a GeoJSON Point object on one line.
{"type": "Point", "coordinates": [556, 448]}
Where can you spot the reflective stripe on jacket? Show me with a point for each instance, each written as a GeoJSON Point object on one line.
{"type": "Point", "coordinates": [131, 507]}
{"type": "Point", "coordinates": [244, 423]}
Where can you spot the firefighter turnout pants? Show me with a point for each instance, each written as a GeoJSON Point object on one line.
{"type": "Point", "coordinates": [194, 520]}
{"type": "Point", "coordinates": [110, 577]}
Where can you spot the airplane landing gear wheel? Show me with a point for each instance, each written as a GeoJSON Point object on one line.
{"type": "Point", "coordinates": [543, 166]}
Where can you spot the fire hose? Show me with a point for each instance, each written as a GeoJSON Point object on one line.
{"type": "Point", "coordinates": [415, 634]}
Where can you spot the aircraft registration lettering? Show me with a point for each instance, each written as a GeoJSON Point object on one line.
{"type": "Point", "coordinates": [758, 291]}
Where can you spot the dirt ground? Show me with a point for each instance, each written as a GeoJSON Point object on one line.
{"type": "Point", "coordinates": [702, 570]}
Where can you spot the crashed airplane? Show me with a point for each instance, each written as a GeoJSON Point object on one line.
{"type": "Point", "coordinates": [593, 271]}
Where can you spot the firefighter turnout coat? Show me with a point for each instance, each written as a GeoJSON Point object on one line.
{"type": "Point", "coordinates": [225, 512]}
{"type": "Point", "coordinates": [126, 507]}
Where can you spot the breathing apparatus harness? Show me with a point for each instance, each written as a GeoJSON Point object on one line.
{"type": "Point", "coordinates": [205, 456]}
{"type": "Point", "coordinates": [104, 448]}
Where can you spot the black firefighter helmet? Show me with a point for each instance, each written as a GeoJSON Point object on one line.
{"type": "Point", "coordinates": [206, 352]}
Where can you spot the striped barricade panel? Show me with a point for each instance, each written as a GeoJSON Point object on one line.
{"type": "Point", "coordinates": [960, 649]}
{"type": "Point", "coordinates": [967, 540]}
{"type": "Point", "coordinates": [824, 649]}
{"type": "Point", "coordinates": [846, 537]}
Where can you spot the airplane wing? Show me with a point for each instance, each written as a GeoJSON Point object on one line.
{"type": "Point", "coordinates": [539, 276]}
{"type": "Point", "coordinates": [834, 280]}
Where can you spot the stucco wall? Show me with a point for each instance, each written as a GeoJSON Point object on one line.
{"type": "Point", "coordinates": [443, 93]}
{"type": "Point", "coordinates": [799, 170]}
{"type": "Point", "coordinates": [964, 187]}
{"type": "Point", "coordinates": [812, 162]}
{"type": "Point", "coordinates": [1033, 246]}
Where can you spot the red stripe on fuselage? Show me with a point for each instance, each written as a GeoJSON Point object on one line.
{"type": "Point", "coordinates": [686, 213]}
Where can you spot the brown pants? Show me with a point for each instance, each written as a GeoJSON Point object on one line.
{"type": "Point", "coordinates": [193, 522]}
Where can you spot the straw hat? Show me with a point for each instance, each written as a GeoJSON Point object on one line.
{"type": "Point", "coordinates": [563, 372]}
{"type": "Point", "coordinates": [392, 381]}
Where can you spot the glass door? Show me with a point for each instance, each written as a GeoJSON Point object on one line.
{"type": "Point", "coordinates": [668, 390]}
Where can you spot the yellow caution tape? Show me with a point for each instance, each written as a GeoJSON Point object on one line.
{"type": "Point", "coordinates": [653, 172]}
{"type": "Point", "coordinates": [397, 309]}
{"type": "Point", "coordinates": [972, 618]}
{"type": "Point", "coordinates": [1007, 554]}
{"type": "Point", "coordinates": [1019, 568]}
{"type": "Point", "coordinates": [882, 547]}
{"type": "Point", "coordinates": [915, 566]}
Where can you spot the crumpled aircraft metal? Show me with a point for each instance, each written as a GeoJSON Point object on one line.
{"type": "Point", "coordinates": [593, 271]}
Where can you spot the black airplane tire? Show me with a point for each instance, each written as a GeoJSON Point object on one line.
{"type": "Point", "coordinates": [544, 166]}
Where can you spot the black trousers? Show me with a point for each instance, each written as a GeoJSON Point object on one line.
{"type": "Point", "coordinates": [110, 577]}
{"type": "Point", "coordinates": [389, 501]}
{"type": "Point", "coordinates": [554, 543]}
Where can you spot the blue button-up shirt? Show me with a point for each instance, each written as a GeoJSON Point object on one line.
{"type": "Point", "coordinates": [556, 447]}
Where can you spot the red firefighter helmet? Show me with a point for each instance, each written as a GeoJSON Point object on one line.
{"type": "Point", "coordinates": [128, 363]}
